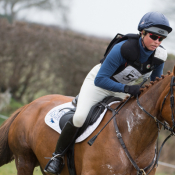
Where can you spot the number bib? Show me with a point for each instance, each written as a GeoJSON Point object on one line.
{"type": "Point", "coordinates": [131, 76]}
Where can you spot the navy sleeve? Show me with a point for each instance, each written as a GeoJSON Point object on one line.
{"type": "Point", "coordinates": [157, 72]}
{"type": "Point", "coordinates": [112, 62]}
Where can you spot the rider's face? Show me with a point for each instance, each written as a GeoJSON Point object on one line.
{"type": "Point", "coordinates": [150, 43]}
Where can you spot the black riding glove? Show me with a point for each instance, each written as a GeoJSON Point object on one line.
{"type": "Point", "coordinates": [133, 90]}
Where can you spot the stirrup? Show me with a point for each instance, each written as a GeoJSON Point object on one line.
{"type": "Point", "coordinates": [52, 159]}
{"type": "Point", "coordinates": [54, 156]}
{"type": "Point", "coordinates": [57, 155]}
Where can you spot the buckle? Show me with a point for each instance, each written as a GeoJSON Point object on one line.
{"type": "Point", "coordinates": [119, 135]}
{"type": "Point", "coordinates": [155, 119]}
{"type": "Point", "coordinates": [141, 172]}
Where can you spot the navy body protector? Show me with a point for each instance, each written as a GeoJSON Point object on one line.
{"type": "Point", "coordinates": [130, 51]}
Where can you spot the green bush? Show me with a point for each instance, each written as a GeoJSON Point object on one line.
{"type": "Point", "coordinates": [13, 106]}
{"type": "Point", "coordinates": [1, 121]}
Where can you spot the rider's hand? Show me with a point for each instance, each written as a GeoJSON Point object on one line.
{"type": "Point", "coordinates": [133, 90]}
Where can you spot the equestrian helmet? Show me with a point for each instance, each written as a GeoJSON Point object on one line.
{"type": "Point", "coordinates": [156, 23]}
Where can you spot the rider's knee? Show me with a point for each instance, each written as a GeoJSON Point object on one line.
{"type": "Point", "coordinates": [78, 121]}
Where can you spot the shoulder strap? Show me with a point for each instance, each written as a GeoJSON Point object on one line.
{"type": "Point", "coordinates": [130, 50]}
{"type": "Point", "coordinates": [118, 38]}
{"type": "Point", "coordinates": [159, 56]}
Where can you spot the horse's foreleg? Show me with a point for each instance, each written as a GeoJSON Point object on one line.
{"type": "Point", "coordinates": [24, 164]}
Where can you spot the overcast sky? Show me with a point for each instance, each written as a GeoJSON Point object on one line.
{"type": "Point", "coordinates": [107, 17]}
{"type": "Point", "coordinates": [102, 18]}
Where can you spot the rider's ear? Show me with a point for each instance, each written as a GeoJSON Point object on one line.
{"type": "Point", "coordinates": [143, 33]}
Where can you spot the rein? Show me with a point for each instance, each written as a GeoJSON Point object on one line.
{"type": "Point", "coordinates": [165, 125]}
{"type": "Point", "coordinates": [156, 157]}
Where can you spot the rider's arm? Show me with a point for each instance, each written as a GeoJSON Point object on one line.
{"type": "Point", "coordinates": [157, 72]}
{"type": "Point", "coordinates": [112, 62]}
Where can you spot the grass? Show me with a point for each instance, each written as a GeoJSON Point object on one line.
{"type": "Point", "coordinates": [10, 169]}
{"type": "Point", "coordinates": [13, 106]}
{"type": "Point", "coordinates": [8, 110]}
{"type": "Point", "coordinates": [1, 121]}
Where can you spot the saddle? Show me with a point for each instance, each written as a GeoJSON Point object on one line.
{"type": "Point", "coordinates": [93, 115]}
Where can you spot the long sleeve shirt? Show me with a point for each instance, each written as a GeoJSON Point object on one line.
{"type": "Point", "coordinates": [114, 60]}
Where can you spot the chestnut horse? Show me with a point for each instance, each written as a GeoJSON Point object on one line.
{"type": "Point", "coordinates": [26, 138]}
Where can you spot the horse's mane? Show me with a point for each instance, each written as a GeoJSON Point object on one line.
{"type": "Point", "coordinates": [151, 83]}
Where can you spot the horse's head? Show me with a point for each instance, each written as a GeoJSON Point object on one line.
{"type": "Point", "coordinates": [168, 101]}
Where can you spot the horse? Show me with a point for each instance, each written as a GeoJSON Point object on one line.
{"type": "Point", "coordinates": [26, 138]}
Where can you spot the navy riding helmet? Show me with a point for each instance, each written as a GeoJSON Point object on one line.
{"type": "Point", "coordinates": [155, 22]}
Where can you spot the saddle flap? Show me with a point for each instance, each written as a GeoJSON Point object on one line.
{"type": "Point", "coordinates": [68, 115]}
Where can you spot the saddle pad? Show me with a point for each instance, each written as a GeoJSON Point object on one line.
{"type": "Point", "coordinates": [53, 117]}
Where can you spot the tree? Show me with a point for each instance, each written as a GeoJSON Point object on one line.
{"type": "Point", "coordinates": [36, 60]}
{"type": "Point", "coordinates": [4, 99]}
{"type": "Point", "coordinates": [10, 8]}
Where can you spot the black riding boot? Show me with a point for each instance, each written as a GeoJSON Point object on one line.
{"type": "Point", "coordinates": [67, 137]}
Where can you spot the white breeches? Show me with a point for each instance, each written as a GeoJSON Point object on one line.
{"type": "Point", "coordinates": [90, 95]}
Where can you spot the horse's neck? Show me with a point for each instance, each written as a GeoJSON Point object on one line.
{"type": "Point", "coordinates": [139, 128]}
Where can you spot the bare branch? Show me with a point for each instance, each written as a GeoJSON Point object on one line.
{"type": "Point", "coordinates": [13, 7]}
{"type": "Point", "coordinates": [39, 4]}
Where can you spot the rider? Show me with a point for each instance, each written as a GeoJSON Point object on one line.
{"type": "Point", "coordinates": [115, 77]}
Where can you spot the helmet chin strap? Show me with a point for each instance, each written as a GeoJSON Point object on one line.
{"type": "Point", "coordinates": [144, 43]}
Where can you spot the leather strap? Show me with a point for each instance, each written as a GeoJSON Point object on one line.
{"type": "Point", "coordinates": [139, 171]}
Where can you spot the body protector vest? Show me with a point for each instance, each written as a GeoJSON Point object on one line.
{"type": "Point", "coordinates": [133, 72]}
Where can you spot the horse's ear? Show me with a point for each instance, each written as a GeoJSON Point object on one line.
{"type": "Point", "coordinates": [174, 70]}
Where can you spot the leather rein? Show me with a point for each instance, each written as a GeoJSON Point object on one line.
{"type": "Point", "coordinates": [165, 124]}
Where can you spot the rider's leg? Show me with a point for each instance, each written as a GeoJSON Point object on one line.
{"type": "Point", "coordinates": [67, 137]}
{"type": "Point", "coordinates": [68, 134]}
{"type": "Point", "coordinates": [89, 95]}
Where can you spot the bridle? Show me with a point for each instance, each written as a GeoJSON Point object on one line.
{"type": "Point", "coordinates": [165, 124]}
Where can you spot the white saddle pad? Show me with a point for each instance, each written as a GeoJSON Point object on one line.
{"type": "Point", "coordinates": [52, 119]}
